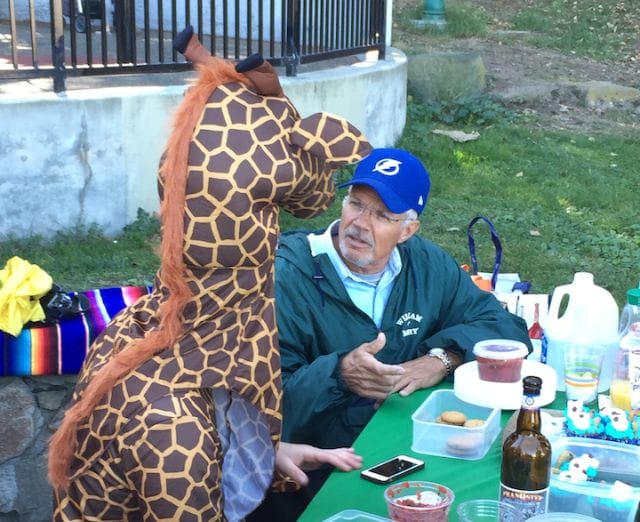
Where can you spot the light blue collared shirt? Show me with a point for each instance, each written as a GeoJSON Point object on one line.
{"type": "Point", "coordinates": [369, 297]}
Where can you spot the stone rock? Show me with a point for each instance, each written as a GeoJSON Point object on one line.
{"type": "Point", "coordinates": [446, 76]}
{"type": "Point", "coordinates": [35, 496]}
{"type": "Point", "coordinates": [607, 93]}
{"type": "Point", "coordinates": [51, 400]}
{"type": "Point", "coordinates": [8, 488]}
{"type": "Point", "coordinates": [18, 413]}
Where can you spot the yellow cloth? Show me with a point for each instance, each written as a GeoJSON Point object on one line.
{"type": "Point", "coordinates": [21, 287]}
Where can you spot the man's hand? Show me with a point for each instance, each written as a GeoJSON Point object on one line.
{"type": "Point", "coordinates": [423, 372]}
{"type": "Point", "coordinates": [364, 375]}
{"type": "Point", "coordinates": [292, 459]}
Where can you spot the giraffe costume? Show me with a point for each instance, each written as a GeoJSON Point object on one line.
{"type": "Point", "coordinates": [176, 413]}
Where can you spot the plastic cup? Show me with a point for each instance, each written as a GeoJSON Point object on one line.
{"type": "Point", "coordinates": [562, 517]}
{"type": "Point", "coordinates": [486, 510]}
{"type": "Point", "coordinates": [500, 360]}
{"type": "Point", "coordinates": [418, 501]}
{"type": "Point", "coordinates": [582, 366]}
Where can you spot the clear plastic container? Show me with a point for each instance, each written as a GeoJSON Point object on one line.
{"type": "Point", "coordinates": [624, 392]}
{"type": "Point", "coordinates": [460, 442]}
{"type": "Point", "coordinates": [612, 494]}
{"type": "Point", "coordinates": [419, 501]}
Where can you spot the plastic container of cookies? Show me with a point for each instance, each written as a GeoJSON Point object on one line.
{"type": "Point", "coordinates": [434, 436]}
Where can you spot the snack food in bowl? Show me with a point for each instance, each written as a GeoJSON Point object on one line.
{"type": "Point", "coordinates": [500, 360]}
{"type": "Point", "coordinates": [418, 501]}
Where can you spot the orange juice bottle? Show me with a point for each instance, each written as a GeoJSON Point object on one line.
{"type": "Point", "coordinates": [625, 383]}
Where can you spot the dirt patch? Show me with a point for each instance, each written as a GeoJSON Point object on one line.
{"type": "Point", "coordinates": [541, 82]}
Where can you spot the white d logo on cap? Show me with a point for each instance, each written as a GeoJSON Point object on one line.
{"type": "Point", "coordinates": [387, 167]}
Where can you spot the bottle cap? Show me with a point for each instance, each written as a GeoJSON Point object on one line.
{"type": "Point", "coordinates": [633, 296]}
{"type": "Point", "coordinates": [531, 385]}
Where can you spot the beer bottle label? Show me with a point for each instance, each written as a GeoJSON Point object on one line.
{"type": "Point", "coordinates": [528, 502]}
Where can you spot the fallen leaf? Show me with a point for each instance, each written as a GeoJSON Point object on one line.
{"type": "Point", "coordinates": [535, 233]}
{"type": "Point", "coordinates": [458, 136]}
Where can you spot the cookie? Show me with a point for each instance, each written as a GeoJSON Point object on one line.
{"type": "Point", "coordinates": [473, 423]}
{"type": "Point", "coordinates": [456, 418]}
{"type": "Point", "coordinates": [464, 445]}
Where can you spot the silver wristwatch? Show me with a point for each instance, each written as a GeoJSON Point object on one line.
{"type": "Point", "coordinates": [444, 358]}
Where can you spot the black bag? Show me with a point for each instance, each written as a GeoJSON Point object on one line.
{"type": "Point", "coordinates": [58, 304]}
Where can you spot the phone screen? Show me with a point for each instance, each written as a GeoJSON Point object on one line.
{"type": "Point", "coordinates": [392, 467]}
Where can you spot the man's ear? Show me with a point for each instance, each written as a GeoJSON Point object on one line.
{"type": "Point", "coordinates": [330, 138]}
{"type": "Point", "coordinates": [408, 229]}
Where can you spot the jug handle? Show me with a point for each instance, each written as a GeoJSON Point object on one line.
{"type": "Point", "coordinates": [554, 305]}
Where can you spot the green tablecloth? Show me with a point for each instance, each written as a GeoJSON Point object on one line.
{"type": "Point", "coordinates": [389, 433]}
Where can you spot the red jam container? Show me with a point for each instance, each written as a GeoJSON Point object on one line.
{"type": "Point", "coordinates": [500, 360]}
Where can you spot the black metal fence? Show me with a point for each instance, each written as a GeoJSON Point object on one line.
{"type": "Point", "coordinates": [102, 37]}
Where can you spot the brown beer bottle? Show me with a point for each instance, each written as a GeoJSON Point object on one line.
{"type": "Point", "coordinates": [526, 456]}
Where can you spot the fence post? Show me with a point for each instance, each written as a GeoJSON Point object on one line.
{"type": "Point", "coordinates": [57, 47]}
{"type": "Point", "coordinates": [291, 58]}
{"type": "Point", "coordinates": [125, 24]}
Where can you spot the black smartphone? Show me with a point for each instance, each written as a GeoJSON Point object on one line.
{"type": "Point", "coordinates": [392, 469]}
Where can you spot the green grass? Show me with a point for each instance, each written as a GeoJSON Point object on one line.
{"type": "Point", "coordinates": [86, 258]}
{"type": "Point", "coordinates": [603, 30]}
{"type": "Point", "coordinates": [600, 30]}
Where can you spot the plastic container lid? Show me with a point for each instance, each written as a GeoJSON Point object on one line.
{"type": "Point", "coordinates": [500, 349]}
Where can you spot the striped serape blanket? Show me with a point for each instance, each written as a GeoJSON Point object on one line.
{"type": "Point", "coordinates": [60, 348]}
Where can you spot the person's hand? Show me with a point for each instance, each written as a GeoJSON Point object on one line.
{"type": "Point", "coordinates": [419, 373]}
{"type": "Point", "coordinates": [364, 375]}
{"type": "Point", "coordinates": [292, 459]}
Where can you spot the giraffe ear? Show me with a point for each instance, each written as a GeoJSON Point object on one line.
{"type": "Point", "coordinates": [330, 138]}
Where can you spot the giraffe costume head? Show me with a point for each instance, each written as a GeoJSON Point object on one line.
{"type": "Point", "coordinates": [203, 344]}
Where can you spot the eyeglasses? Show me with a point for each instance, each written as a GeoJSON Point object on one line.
{"type": "Point", "coordinates": [357, 207]}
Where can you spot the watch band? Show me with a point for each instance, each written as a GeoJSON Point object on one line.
{"type": "Point", "coordinates": [444, 359]}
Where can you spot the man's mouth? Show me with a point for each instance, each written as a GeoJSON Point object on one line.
{"type": "Point", "coordinates": [358, 241]}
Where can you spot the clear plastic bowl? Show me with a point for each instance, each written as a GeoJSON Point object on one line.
{"type": "Point", "coordinates": [418, 501]}
{"type": "Point", "coordinates": [486, 510]}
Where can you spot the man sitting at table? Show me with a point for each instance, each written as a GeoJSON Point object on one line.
{"type": "Point", "coordinates": [367, 308]}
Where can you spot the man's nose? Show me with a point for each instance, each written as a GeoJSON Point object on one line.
{"type": "Point", "coordinates": [364, 216]}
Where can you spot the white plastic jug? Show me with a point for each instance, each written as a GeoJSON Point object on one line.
{"type": "Point", "coordinates": [590, 318]}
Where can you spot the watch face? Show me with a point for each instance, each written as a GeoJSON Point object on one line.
{"type": "Point", "coordinates": [436, 351]}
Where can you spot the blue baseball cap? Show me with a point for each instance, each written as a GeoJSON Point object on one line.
{"type": "Point", "coordinates": [398, 177]}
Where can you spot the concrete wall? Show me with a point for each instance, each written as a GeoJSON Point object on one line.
{"type": "Point", "coordinates": [91, 156]}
